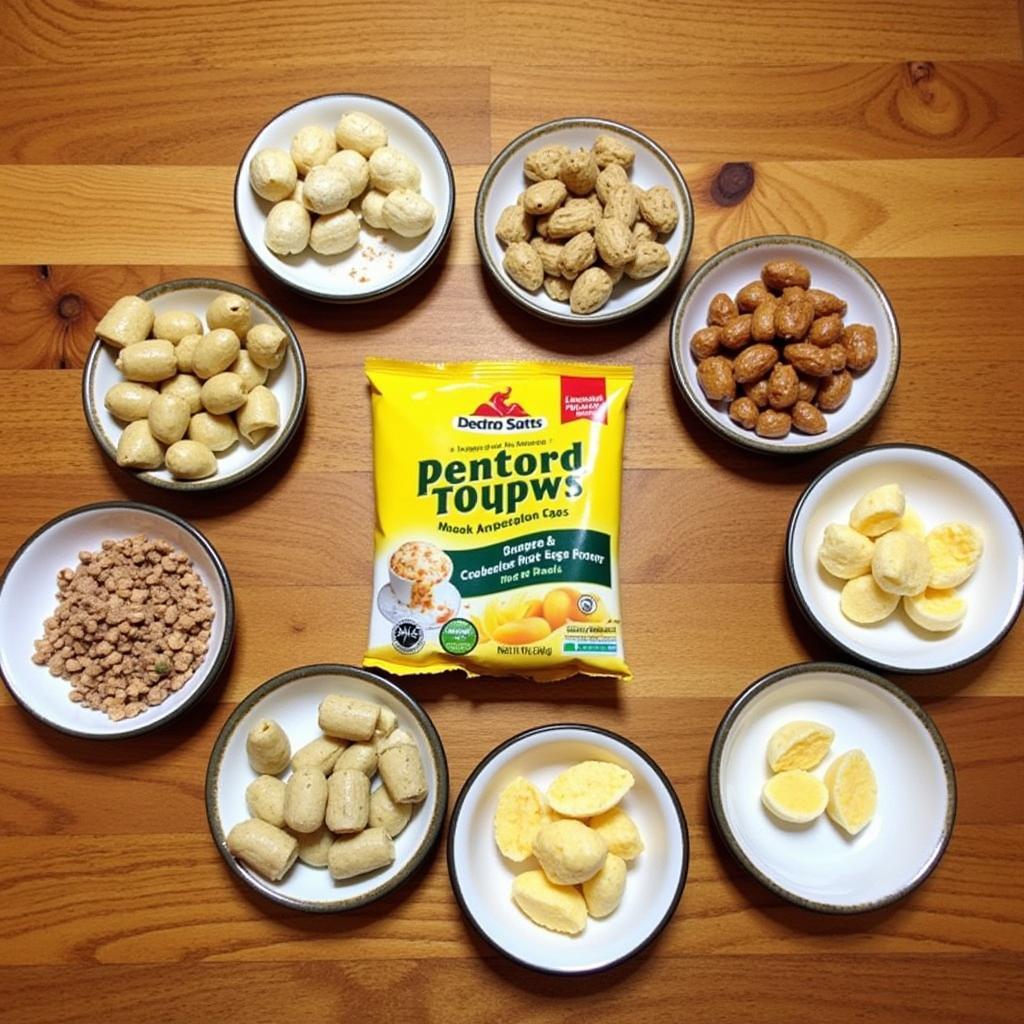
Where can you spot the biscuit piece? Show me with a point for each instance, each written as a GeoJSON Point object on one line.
{"type": "Point", "coordinates": [521, 813]}
{"type": "Point", "coordinates": [603, 892]}
{"type": "Point", "coordinates": [589, 788]}
{"type": "Point", "coordinates": [559, 908]}
{"type": "Point", "coordinates": [619, 831]}
{"type": "Point", "coordinates": [569, 851]}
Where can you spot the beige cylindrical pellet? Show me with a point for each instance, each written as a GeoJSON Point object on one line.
{"type": "Point", "coordinates": [215, 352]}
{"type": "Point", "coordinates": [184, 385]}
{"type": "Point", "coordinates": [266, 345]}
{"type": "Point", "coordinates": [402, 772]}
{"type": "Point", "coordinates": [129, 401]}
{"type": "Point", "coordinates": [386, 814]}
{"type": "Point", "coordinates": [360, 756]}
{"type": "Point", "coordinates": [231, 312]}
{"type": "Point", "coordinates": [321, 753]}
{"type": "Point", "coordinates": [260, 416]}
{"type": "Point", "coordinates": [267, 747]}
{"type": "Point", "coordinates": [386, 723]}
{"type": "Point", "coordinates": [148, 361]}
{"type": "Point", "coordinates": [252, 374]}
{"type": "Point", "coordinates": [264, 797]}
{"type": "Point", "coordinates": [168, 417]}
{"type": "Point", "coordinates": [355, 855]}
{"type": "Point", "coordinates": [305, 800]}
{"type": "Point", "coordinates": [129, 320]}
{"type": "Point", "coordinates": [395, 738]}
{"type": "Point", "coordinates": [176, 324]}
{"type": "Point", "coordinates": [348, 801]}
{"type": "Point", "coordinates": [137, 448]}
{"type": "Point", "coordinates": [218, 433]}
{"type": "Point", "coordinates": [266, 849]}
{"type": "Point", "coordinates": [313, 848]}
{"type": "Point", "coordinates": [185, 350]}
{"type": "Point", "coordinates": [190, 460]}
{"type": "Point", "coordinates": [347, 717]}
{"type": "Point", "coordinates": [223, 392]}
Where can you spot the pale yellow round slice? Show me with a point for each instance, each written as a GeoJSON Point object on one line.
{"type": "Point", "coordinates": [844, 552]}
{"type": "Point", "coordinates": [852, 791]}
{"type": "Point", "coordinates": [795, 796]}
{"type": "Point", "coordinates": [559, 908]}
{"type": "Point", "coordinates": [800, 744]}
{"type": "Point", "coordinates": [520, 814]}
{"type": "Point", "coordinates": [938, 611]}
{"type": "Point", "coordinates": [589, 788]}
{"type": "Point", "coordinates": [954, 550]}
{"type": "Point", "coordinates": [864, 601]}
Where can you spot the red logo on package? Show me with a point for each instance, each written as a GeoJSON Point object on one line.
{"type": "Point", "coordinates": [584, 398]}
{"type": "Point", "coordinates": [499, 405]}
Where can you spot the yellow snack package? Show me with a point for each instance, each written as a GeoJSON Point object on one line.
{"type": "Point", "coordinates": [496, 545]}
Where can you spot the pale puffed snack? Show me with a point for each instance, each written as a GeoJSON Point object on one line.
{"type": "Point", "coordinates": [569, 852]}
{"type": "Point", "coordinates": [619, 831]}
{"type": "Point", "coordinates": [559, 908]}
{"type": "Point", "coordinates": [193, 388]}
{"type": "Point", "coordinates": [270, 851]}
{"type": "Point", "coordinates": [268, 748]}
{"type": "Point", "coordinates": [521, 813]}
{"type": "Point", "coordinates": [589, 788]}
{"type": "Point", "coordinates": [331, 182]}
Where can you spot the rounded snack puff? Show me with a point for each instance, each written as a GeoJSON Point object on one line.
{"type": "Point", "coordinates": [569, 851]}
{"type": "Point", "coordinates": [588, 789]}
{"type": "Point", "coordinates": [619, 831]}
{"type": "Point", "coordinates": [603, 892]}
{"type": "Point", "coordinates": [520, 814]}
{"type": "Point", "coordinates": [559, 908]}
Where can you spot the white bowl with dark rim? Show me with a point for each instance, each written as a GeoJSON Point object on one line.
{"type": "Point", "coordinates": [382, 262]}
{"type": "Point", "coordinates": [818, 866]}
{"type": "Point", "coordinates": [940, 488]}
{"type": "Point", "coordinates": [291, 699]}
{"type": "Point", "coordinates": [27, 597]}
{"type": "Point", "coordinates": [241, 462]}
{"type": "Point", "coordinates": [482, 878]}
{"type": "Point", "coordinates": [832, 269]}
{"type": "Point", "coordinates": [504, 181]}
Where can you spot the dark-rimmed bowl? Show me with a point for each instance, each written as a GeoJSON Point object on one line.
{"type": "Point", "coordinates": [818, 866]}
{"type": "Point", "coordinates": [504, 181]}
{"type": "Point", "coordinates": [382, 263]}
{"type": "Point", "coordinates": [940, 487]}
{"type": "Point", "coordinates": [27, 591]}
{"type": "Point", "coordinates": [292, 699]}
{"type": "Point", "coordinates": [241, 462]}
{"type": "Point", "coordinates": [832, 269]}
{"type": "Point", "coordinates": [482, 879]}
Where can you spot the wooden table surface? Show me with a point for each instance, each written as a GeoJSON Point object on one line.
{"type": "Point", "coordinates": [892, 130]}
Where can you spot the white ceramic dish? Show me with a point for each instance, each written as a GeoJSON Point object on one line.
{"type": "Point", "coordinates": [504, 181]}
{"type": "Point", "coordinates": [818, 866]}
{"type": "Point", "coordinates": [482, 878]}
{"type": "Point", "coordinates": [27, 597]}
{"type": "Point", "coordinates": [382, 262]}
{"type": "Point", "coordinates": [291, 699]}
{"type": "Point", "coordinates": [832, 269]}
{"type": "Point", "coordinates": [940, 488]}
{"type": "Point", "coordinates": [241, 462]}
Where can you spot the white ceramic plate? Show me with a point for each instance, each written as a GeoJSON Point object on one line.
{"type": "Point", "coordinates": [288, 383]}
{"type": "Point", "coordinates": [482, 878]}
{"type": "Point", "coordinates": [382, 262]}
{"type": "Point", "coordinates": [832, 269]}
{"type": "Point", "coordinates": [27, 597]}
{"type": "Point", "coordinates": [818, 866]}
{"type": "Point", "coordinates": [504, 181]}
{"type": "Point", "coordinates": [291, 699]}
{"type": "Point", "coordinates": [940, 488]}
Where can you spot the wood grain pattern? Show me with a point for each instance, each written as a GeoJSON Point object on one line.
{"type": "Point", "coordinates": [894, 132]}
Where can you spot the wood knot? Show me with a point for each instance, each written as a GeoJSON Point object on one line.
{"type": "Point", "coordinates": [920, 71]}
{"type": "Point", "coordinates": [732, 184]}
{"type": "Point", "coordinates": [44, 272]}
{"type": "Point", "coordinates": [69, 307]}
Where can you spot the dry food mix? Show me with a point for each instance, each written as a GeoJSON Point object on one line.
{"type": "Point", "coordinates": [496, 545]}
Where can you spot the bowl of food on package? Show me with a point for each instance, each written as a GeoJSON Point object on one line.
{"type": "Point", "coordinates": [194, 385]}
{"type": "Point", "coordinates": [568, 849]}
{"type": "Point", "coordinates": [784, 344]}
{"type": "Point", "coordinates": [832, 787]}
{"type": "Point", "coordinates": [327, 788]}
{"type": "Point", "coordinates": [907, 558]}
{"type": "Point", "coordinates": [115, 618]}
{"type": "Point", "coordinates": [583, 221]}
{"type": "Point", "coordinates": [345, 197]}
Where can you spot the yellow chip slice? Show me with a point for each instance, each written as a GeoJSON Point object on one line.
{"type": "Point", "coordinates": [520, 814]}
{"type": "Point", "coordinates": [589, 788]}
{"type": "Point", "coordinates": [561, 908]}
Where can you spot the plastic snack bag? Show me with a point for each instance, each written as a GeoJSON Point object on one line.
{"type": "Point", "coordinates": [497, 533]}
